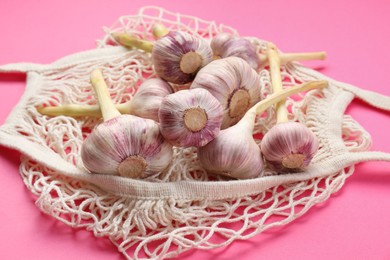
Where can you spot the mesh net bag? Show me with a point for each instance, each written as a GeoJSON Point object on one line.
{"type": "Point", "coordinates": [182, 207]}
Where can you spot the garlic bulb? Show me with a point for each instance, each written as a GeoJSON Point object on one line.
{"type": "Point", "coordinates": [176, 57]}
{"type": "Point", "coordinates": [123, 144]}
{"type": "Point", "coordinates": [233, 83]}
{"type": "Point", "coordinates": [226, 45]}
{"type": "Point", "coordinates": [288, 146]}
{"type": "Point", "coordinates": [234, 152]}
{"type": "Point", "coordinates": [190, 117]}
{"type": "Point", "coordinates": [145, 103]}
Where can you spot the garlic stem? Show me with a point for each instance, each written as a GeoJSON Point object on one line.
{"type": "Point", "coordinates": [131, 41]}
{"type": "Point", "coordinates": [289, 57]}
{"type": "Point", "coordinates": [261, 106]}
{"type": "Point", "coordinates": [276, 79]}
{"type": "Point", "coordinates": [108, 109]}
{"type": "Point", "coordinates": [81, 110]}
{"type": "Point", "coordinates": [159, 30]}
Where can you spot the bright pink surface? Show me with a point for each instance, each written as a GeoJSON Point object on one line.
{"type": "Point", "coordinates": [352, 224]}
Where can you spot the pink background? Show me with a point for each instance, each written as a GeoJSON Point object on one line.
{"type": "Point", "coordinates": [352, 224]}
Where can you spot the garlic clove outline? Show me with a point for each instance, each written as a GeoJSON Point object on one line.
{"type": "Point", "coordinates": [236, 144]}
{"type": "Point", "coordinates": [145, 103]}
{"type": "Point", "coordinates": [190, 117]}
{"type": "Point", "coordinates": [123, 145]}
{"type": "Point", "coordinates": [233, 83]}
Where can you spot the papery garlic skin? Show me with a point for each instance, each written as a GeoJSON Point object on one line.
{"type": "Point", "coordinates": [234, 153]}
{"type": "Point", "coordinates": [235, 85]}
{"type": "Point", "coordinates": [205, 120]}
{"type": "Point", "coordinates": [169, 51]}
{"type": "Point", "coordinates": [289, 147]}
{"type": "Point", "coordinates": [147, 100]}
{"type": "Point", "coordinates": [226, 45]}
{"type": "Point", "coordinates": [123, 137]}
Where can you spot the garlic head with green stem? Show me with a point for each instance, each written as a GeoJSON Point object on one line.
{"type": "Point", "coordinates": [176, 57]}
{"type": "Point", "coordinates": [145, 103]}
{"type": "Point", "coordinates": [123, 145]}
{"type": "Point", "coordinates": [287, 146]}
{"type": "Point", "coordinates": [233, 83]}
{"type": "Point", "coordinates": [190, 117]}
{"type": "Point", "coordinates": [234, 152]}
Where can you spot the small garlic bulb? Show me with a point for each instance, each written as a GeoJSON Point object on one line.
{"type": "Point", "coordinates": [226, 45]}
{"type": "Point", "coordinates": [234, 152]}
{"type": "Point", "coordinates": [289, 147]}
{"type": "Point", "coordinates": [233, 83]}
{"type": "Point", "coordinates": [123, 144]}
{"type": "Point", "coordinates": [145, 103]}
{"type": "Point", "coordinates": [178, 56]}
{"type": "Point", "coordinates": [147, 100]}
{"type": "Point", "coordinates": [190, 117]}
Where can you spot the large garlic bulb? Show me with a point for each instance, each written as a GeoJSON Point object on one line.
{"type": "Point", "coordinates": [233, 83]}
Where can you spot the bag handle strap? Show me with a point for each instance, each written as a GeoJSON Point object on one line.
{"type": "Point", "coordinates": [23, 67]}
{"type": "Point", "coordinates": [372, 98]}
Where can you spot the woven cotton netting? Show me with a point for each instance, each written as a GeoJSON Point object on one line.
{"type": "Point", "coordinates": [163, 227]}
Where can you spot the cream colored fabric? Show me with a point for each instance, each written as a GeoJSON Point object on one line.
{"type": "Point", "coordinates": [182, 207]}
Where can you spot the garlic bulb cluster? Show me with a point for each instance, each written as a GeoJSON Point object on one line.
{"type": "Point", "coordinates": [233, 83]}
{"type": "Point", "coordinates": [177, 56]}
{"type": "Point", "coordinates": [288, 146]}
{"type": "Point", "coordinates": [234, 152]}
{"type": "Point", "coordinates": [190, 117]}
{"type": "Point", "coordinates": [145, 103]}
{"type": "Point", "coordinates": [123, 144]}
{"type": "Point", "coordinates": [226, 45]}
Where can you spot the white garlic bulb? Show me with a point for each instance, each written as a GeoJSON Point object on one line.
{"type": "Point", "coordinates": [123, 144]}
{"type": "Point", "coordinates": [234, 152]}
{"type": "Point", "coordinates": [226, 45]}
{"type": "Point", "coordinates": [190, 117]}
{"type": "Point", "coordinates": [145, 103]}
{"type": "Point", "coordinates": [289, 147]}
{"type": "Point", "coordinates": [233, 83]}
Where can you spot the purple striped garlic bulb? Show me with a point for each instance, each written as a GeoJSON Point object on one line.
{"type": "Point", "coordinates": [226, 45]}
{"type": "Point", "coordinates": [190, 117]}
{"type": "Point", "coordinates": [233, 83]}
{"type": "Point", "coordinates": [123, 145]}
{"type": "Point", "coordinates": [234, 152]}
{"type": "Point", "coordinates": [288, 146]}
{"type": "Point", "coordinates": [177, 56]}
{"type": "Point", "coordinates": [145, 103]}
